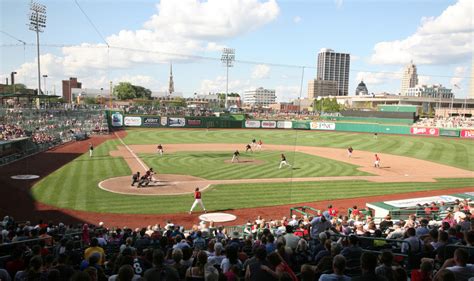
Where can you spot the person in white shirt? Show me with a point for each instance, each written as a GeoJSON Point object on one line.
{"type": "Point", "coordinates": [459, 266]}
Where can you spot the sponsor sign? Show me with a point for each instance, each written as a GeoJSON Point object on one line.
{"type": "Point", "coordinates": [269, 124]}
{"type": "Point", "coordinates": [252, 124]}
{"type": "Point", "coordinates": [164, 121]}
{"type": "Point", "coordinates": [449, 133]}
{"type": "Point", "coordinates": [117, 119]}
{"type": "Point", "coordinates": [134, 121]}
{"type": "Point", "coordinates": [467, 133]}
{"type": "Point", "coordinates": [424, 131]}
{"type": "Point", "coordinates": [284, 124]}
{"type": "Point", "coordinates": [176, 122]}
{"type": "Point", "coordinates": [322, 126]}
{"type": "Point", "coordinates": [151, 121]}
{"type": "Point", "coordinates": [405, 203]}
{"type": "Point", "coordinates": [194, 122]}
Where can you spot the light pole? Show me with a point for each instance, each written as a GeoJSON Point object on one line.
{"type": "Point", "coordinates": [38, 24]}
{"type": "Point", "coordinates": [13, 80]}
{"type": "Point", "coordinates": [228, 58]}
{"type": "Point", "coordinates": [45, 88]}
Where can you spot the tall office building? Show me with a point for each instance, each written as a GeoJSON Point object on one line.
{"type": "Point", "coordinates": [334, 66]}
{"type": "Point", "coordinates": [409, 79]}
{"type": "Point", "coordinates": [321, 88]}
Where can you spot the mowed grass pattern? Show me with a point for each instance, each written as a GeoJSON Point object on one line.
{"type": "Point", "coordinates": [74, 186]}
{"type": "Point", "coordinates": [212, 166]}
{"type": "Point", "coordinates": [449, 151]}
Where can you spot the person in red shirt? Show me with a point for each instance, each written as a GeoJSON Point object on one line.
{"type": "Point", "coordinates": [332, 211]}
{"type": "Point", "coordinates": [377, 161]}
{"type": "Point", "coordinates": [197, 200]}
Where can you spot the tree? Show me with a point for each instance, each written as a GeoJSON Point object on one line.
{"type": "Point", "coordinates": [142, 92]}
{"type": "Point", "coordinates": [19, 88]}
{"type": "Point", "coordinates": [326, 105]}
{"type": "Point", "coordinates": [124, 91]}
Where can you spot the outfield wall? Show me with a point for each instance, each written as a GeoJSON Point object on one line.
{"type": "Point", "coordinates": [119, 119]}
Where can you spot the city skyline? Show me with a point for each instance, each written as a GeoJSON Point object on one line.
{"type": "Point", "coordinates": [273, 41]}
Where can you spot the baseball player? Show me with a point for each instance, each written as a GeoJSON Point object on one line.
{"type": "Point", "coordinates": [259, 144]}
{"type": "Point", "coordinates": [197, 199]}
{"type": "Point", "coordinates": [349, 151]}
{"type": "Point", "coordinates": [377, 161]}
{"type": "Point", "coordinates": [375, 136]}
{"type": "Point", "coordinates": [135, 178]}
{"type": "Point", "coordinates": [235, 156]}
{"type": "Point", "coordinates": [91, 149]}
{"type": "Point", "coordinates": [283, 161]}
{"type": "Point", "coordinates": [160, 149]}
{"type": "Point", "coordinates": [254, 142]}
{"type": "Point", "coordinates": [248, 147]}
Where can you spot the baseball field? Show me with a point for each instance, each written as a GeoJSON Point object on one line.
{"type": "Point", "coordinates": [321, 170]}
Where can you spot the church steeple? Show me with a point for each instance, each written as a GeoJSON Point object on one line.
{"type": "Point", "coordinates": [171, 83]}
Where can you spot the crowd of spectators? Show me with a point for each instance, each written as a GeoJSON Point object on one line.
{"type": "Point", "coordinates": [328, 246]}
{"type": "Point", "coordinates": [446, 122]}
{"type": "Point", "coordinates": [11, 131]}
{"type": "Point", "coordinates": [50, 125]}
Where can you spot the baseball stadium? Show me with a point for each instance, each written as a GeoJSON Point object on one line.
{"type": "Point", "coordinates": [210, 140]}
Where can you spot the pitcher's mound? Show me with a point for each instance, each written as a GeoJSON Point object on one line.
{"type": "Point", "coordinates": [245, 161]}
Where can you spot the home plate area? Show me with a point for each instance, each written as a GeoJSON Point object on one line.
{"type": "Point", "coordinates": [217, 217]}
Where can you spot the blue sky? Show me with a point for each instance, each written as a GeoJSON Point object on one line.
{"type": "Point", "coordinates": [381, 36]}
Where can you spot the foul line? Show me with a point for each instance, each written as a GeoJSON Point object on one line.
{"type": "Point", "coordinates": [131, 152]}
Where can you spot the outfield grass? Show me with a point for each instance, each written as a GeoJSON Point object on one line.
{"type": "Point", "coordinates": [211, 165]}
{"type": "Point", "coordinates": [449, 151]}
{"type": "Point", "coordinates": [74, 186]}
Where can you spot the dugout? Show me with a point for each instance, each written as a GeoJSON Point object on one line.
{"type": "Point", "coordinates": [11, 150]}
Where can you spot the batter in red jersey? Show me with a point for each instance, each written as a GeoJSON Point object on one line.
{"type": "Point", "coordinates": [197, 199]}
{"type": "Point", "coordinates": [377, 161]}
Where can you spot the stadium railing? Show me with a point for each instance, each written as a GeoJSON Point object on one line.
{"type": "Point", "coordinates": [305, 211]}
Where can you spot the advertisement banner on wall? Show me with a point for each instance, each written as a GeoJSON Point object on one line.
{"type": "Point", "coordinates": [176, 122]}
{"type": "Point", "coordinates": [164, 121]}
{"type": "Point", "coordinates": [194, 122]}
{"type": "Point", "coordinates": [284, 124]}
{"type": "Point", "coordinates": [424, 131]}
{"type": "Point", "coordinates": [133, 121]}
{"type": "Point", "coordinates": [467, 134]}
{"type": "Point", "coordinates": [448, 133]}
{"type": "Point", "coordinates": [151, 121]}
{"type": "Point", "coordinates": [117, 119]}
{"type": "Point", "coordinates": [322, 126]}
{"type": "Point", "coordinates": [252, 124]}
{"type": "Point", "coordinates": [269, 124]}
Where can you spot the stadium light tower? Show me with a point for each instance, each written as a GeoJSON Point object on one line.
{"type": "Point", "coordinates": [228, 58]}
{"type": "Point", "coordinates": [37, 23]}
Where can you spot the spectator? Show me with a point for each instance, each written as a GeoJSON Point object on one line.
{"type": "Point", "coordinates": [338, 267]}
{"type": "Point", "coordinates": [159, 271]}
{"type": "Point", "coordinates": [459, 266]}
{"type": "Point", "coordinates": [368, 263]}
{"type": "Point", "coordinates": [94, 248]}
{"type": "Point", "coordinates": [197, 272]}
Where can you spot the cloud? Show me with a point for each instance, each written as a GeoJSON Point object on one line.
{"type": "Point", "coordinates": [286, 93]}
{"type": "Point", "coordinates": [339, 3]}
{"type": "Point", "coordinates": [438, 40]}
{"type": "Point", "coordinates": [218, 85]}
{"type": "Point", "coordinates": [178, 31]}
{"type": "Point", "coordinates": [297, 19]}
{"type": "Point", "coordinates": [376, 78]}
{"type": "Point", "coordinates": [424, 79]}
{"type": "Point", "coordinates": [457, 77]}
{"type": "Point", "coordinates": [261, 71]}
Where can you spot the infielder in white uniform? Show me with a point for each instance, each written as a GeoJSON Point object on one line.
{"type": "Point", "coordinates": [283, 161]}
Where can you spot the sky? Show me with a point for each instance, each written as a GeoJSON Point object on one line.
{"type": "Point", "coordinates": [276, 43]}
